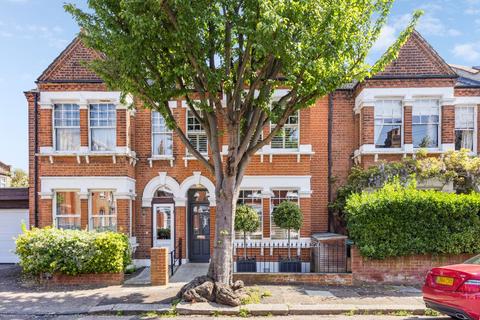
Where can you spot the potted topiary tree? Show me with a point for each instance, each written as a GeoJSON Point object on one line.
{"type": "Point", "coordinates": [287, 215]}
{"type": "Point", "coordinates": [246, 220]}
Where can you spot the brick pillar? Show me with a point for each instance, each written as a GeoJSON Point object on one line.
{"type": "Point", "coordinates": [407, 125]}
{"type": "Point", "coordinates": [45, 128]}
{"type": "Point", "coordinates": [367, 125]}
{"type": "Point", "coordinates": [122, 127]}
{"type": "Point", "coordinates": [45, 213]}
{"type": "Point", "coordinates": [180, 229]}
{"type": "Point", "coordinates": [84, 126]}
{"type": "Point", "coordinates": [159, 266]}
{"type": "Point", "coordinates": [448, 124]}
{"type": "Point", "coordinates": [84, 213]}
{"type": "Point", "coordinates": [266, 217]}
{"type": "Point", "coordinates": [305, 207]}
{"type": "Point", "coordinates": [123, 215]}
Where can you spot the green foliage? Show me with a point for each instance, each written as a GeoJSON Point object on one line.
{"type": "Point", "coordinates": [287, 215]}
{"type": "Point", "coordinates": [246, 219]}
{"type": "Point", "coordinates": [458, 166]}
{"type": "Point", "coordinates": [72, 252]}
{"type": "Point", "coordinates": [398, 221]}
{"type": "Point", "coordinates": [19, 179]}
{"type": "Point", "coordinates": [163, 233]}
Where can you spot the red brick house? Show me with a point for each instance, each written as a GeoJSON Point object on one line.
{"type": "Point", "coordinates": [96, 164]}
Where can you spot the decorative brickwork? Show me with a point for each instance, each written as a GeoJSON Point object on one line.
{"type": "Point", "coordinates": [159, 266]}
{"type": "Point", "coordinates": [409, 270]}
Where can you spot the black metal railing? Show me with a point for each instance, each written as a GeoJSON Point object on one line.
{"type": "Point", "coordinates": [176, 257]}
{"type": "Point", "coordinates": [279, 256]}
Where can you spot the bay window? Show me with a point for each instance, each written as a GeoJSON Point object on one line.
{"type": "Point", "coordinates": [253, 199]}
{"type": "Point", "coordinates": [464, 127]}
{"type": "Point", "coordinates": [288, 136]}
{"type": "Point", "coordinates": [162, 136]}
{"type": "Point", "coordinates": [103, 212]}
{"type": "Point", "coordinates": [196, 133]}
{"type": "Point", "coordinates": [425, 123]}
{"type": "Point", "coordinates": [67, 210]}
{"type": "Point", "coordinates": [388, 124]}
{"type": "Point", "coordinates": [66, 123]}
{"type": "Point", "coordinates": [103, 127]}
{"type": "Point", "coordinates": [278, 197]}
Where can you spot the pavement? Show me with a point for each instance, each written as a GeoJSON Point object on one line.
{"type": "Point", "coordinates": [22, 298]}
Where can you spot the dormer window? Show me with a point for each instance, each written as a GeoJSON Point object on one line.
{"type": "Point", "coordinates": [66, 122]}
{"type": "Point", "coordinates": [103, 127]}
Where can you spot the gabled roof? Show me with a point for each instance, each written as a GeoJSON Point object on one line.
{"type": "Point", "coordinates": [417, 59]}
{"type": "Point", "coordinates": [69, 65]}
{"type": "Point", "coordinates": [467, 76]}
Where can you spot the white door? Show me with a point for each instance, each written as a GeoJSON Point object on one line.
{"type": "Point", "coordinates": [10, 227]}
{"type": "Point", "coordinates": [163, 226]}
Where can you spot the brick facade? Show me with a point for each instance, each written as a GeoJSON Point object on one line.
{"type": "Point", "coordinates": [134, 175]}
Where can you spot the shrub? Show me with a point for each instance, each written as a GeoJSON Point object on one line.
{"type": "Point", "coordinates": [398, 221]}
{"type": "Point", "coordinates": [287, 215]}
{"type": "Point", "coordinates": [246, 220]}
{"type": "Point", "coordinates": [72, 252]}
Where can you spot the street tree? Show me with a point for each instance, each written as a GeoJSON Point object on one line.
{"type": "Point", "coordinates": [226, 59]}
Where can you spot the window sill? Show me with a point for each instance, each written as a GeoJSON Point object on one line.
{"type": "Point", "coordinates": [120, 152]}
{"type": "Point", "coordinates": [161, 158]}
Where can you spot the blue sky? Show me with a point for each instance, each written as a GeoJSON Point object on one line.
{"type": "Point", "coordinates": [34, 32]}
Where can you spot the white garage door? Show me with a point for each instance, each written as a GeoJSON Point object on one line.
{"type": "Point", "coordinates": [10, 227]}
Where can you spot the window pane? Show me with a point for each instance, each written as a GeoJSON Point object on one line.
{"type": "Point", "coordinates": [164, 223]}
{"type": "Point", "coordinates": [103, 139]}
{"type": "Point", "coordinates": [67, 139]}
{"type": "Point", "coordinates": [291, 137]}
{"type": "Point", "coordinates": [67, 210]}
{"type": "Point", "coordinates": [278, 197]}
{"type": "Point", "coordinates": [388, 136]}
{"type": "Point", "coordinates": [464, 117]}
{"type": "Point", "coordinates": [464, 139]}
{"type": "Point", "coordinates": [252, 198]}
{"type": "Point", "coordinates": [103, 212]}
{"type": "Point", "coordinates": [425, 135]}
{"type": "Point", "coordinates": [163, 144]}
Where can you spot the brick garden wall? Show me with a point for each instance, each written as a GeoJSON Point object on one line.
{"type": "Point", "coordinates": [104, 279]}
{"type": "Point", "coordinates": [409, 270]}
{"type": "Point", "coordinates": [323, 279]}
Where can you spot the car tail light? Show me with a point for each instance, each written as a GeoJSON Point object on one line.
{"type": "Point", "coordinates": [470, 286]}
{"type": "Point", "coordinates": [429, 279]}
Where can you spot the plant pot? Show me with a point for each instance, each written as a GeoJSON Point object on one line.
{"type": "Point", "coordinates": [247, 265]}
{"type": "Point", "coordinates": [290, 265]}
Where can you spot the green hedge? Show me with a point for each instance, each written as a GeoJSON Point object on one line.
{"type": "Point", "coordinates": [399, 221]}
{"type": "Point", "coordinates": [72, 252]}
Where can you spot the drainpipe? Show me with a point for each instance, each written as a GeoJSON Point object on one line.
{"type": "Point", "coordinates": [330, 127]}
{"type": "Point", "coordinates": [35, 159]}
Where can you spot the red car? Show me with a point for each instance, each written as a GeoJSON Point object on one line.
{"type": "Point", "coordinates": [455, 290]}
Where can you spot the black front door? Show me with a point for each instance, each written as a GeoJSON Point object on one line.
{"type": "Point", "coordinates": [199, 231]}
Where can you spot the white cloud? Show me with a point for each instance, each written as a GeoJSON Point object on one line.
{"type": "Point", "coordinates": [468, 51]}
{"type": "Point", "coordinates": [386, 38]}
{"type": "Point", "coordinates": [52, 36]}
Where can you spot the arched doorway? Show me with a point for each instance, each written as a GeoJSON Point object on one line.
{"type": "Point", "coordinates": [198, 225]}
{"type": "Point", "coordinates": [163, 218]}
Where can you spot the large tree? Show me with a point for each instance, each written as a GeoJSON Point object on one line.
{"type": "Point", "coordinates": [226, 58]}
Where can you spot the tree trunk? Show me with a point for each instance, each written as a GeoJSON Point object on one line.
{"type": "Point", "coordinates": [220, 268]}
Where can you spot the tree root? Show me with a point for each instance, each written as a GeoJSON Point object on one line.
{"type": "Point", "coordinates": [204, 289]}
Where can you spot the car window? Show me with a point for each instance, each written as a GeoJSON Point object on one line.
{"type": "Point", "coordinates": [474, 260]}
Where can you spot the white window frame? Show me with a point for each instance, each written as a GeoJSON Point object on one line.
{"type": "Point", "coordinates": [195, 132]}
{"type": "Point", "coordinates": [91, 128]}
{"type": "Point", "coordinates": [475, 126]}
{"type": "Point", "coordinates": [282, 130]}
{"type": "Point", "coordinates": [259, 191]}
{"type": "Point", "coordinates": [439, 125]}
{"type": "Point", "coordinates": [272, 207]}
{"type": "Point", "coordinates": [401, 124]}
{"type": "Point", "coordinates": [55, 127]}
{"type": "Point", "coordinates": [3, 182]}
{"type": "Point", "coordinates": [54, 210]}
{"type": "Point", "coordinates": [90, 209]}
{"type": "Point", "coordinates": [165, 133]}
